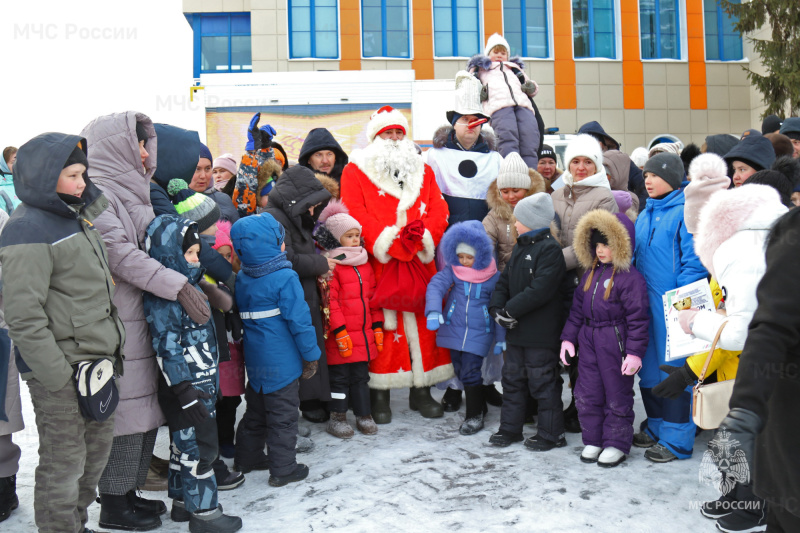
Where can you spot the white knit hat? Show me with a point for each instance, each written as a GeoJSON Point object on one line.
{"type": "Point", "coordinates": [464, 248]}
{"type": "Point", "coordinates": [496, 40]}
{"type": "Point", "coordinates": [513, 173]}
{"type": "Point", "coordinates": [386, 118]}
{"type": "Point", "coordinates": [639, 156]}
{"type": "Point", "coordinates": [585, 146]}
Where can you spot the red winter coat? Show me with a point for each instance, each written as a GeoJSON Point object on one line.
{"type": "Point", "coordinates": [351, 288]}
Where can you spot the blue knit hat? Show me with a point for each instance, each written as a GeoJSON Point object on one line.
{"type": "Point", "coordinates": [205, 153]}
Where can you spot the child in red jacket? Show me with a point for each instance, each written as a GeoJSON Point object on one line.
{"type": "Point", "coordinates": [355, 335]}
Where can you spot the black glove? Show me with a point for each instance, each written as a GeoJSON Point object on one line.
{"type": "Point", "coordinates": [195, 303]}
{"type": "Point", "coordinates": [309, 369]}
{"type": "Point", "coordinates": [233, 323]}
{"type": "Point", "coordinates": [505, 320]}
{"type": "Point", "coordinates": [742, 427]}
{"type": "Point", "coordinates": [190, 400]}
{"type": "Point", "coordinates": [673, 385]}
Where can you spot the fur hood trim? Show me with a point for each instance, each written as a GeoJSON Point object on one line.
{"type": "Point", "coordinates": [483, 62]}
{"type": "Point", "coordinates": [442, 135]}
{"type": "Point", "coordinates": [330, 184]}
{"type": "Point", "coordinates": [505, 211]}
{"type": "Point", "coordinates": [268, 170]}
{"type": "Point", "coordinates": [618, 230]}
{"type": "Point", "coordinates": [407, 196]}
{"type": "Point", "coordinates": [749, 207]}
{"type": "Point", "coordinates": [472, 233]}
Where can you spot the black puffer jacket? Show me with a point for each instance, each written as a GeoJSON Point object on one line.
{"type": "Point", "coordinates": [294, 193]}
{"type": "Point", "coordinates": [321, 139]}
{"type": "Point", "coordinates": [530, 291]}
{"type": "Point", "coordinates": [768, 381]}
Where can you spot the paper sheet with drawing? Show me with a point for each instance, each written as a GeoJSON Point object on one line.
{"type": "Point", "coordinates": [696, 295]}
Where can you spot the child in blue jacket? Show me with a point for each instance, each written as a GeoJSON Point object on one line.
{"type": "Point", "coordinates": [665, 256]}
{"type": "Point", "coordinates": [465, 326]}
{"type": "Point", "coordinates": [188, 383]}
{"type": "Point", "coordinates": [280, 345]}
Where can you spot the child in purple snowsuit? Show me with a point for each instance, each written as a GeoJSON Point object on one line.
{"type": "Point", "coordinates": [608, 322]}
{"type": "Point", "coordinates": [464, 324]}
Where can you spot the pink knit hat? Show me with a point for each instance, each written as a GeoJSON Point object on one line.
{"type": "Point", "coordinates": [226, 161]}
{"type": "Point", "coordinates": [337, 219]}
{"type": "Point", "coordinates": [707, 175]}
{"type": "Point", "coordinates": [223, 235]}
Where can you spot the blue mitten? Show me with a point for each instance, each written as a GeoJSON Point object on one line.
{"type": "Point", "coordinates": [499, 348]}
{"type": "Point", "coordinates": [435, 319]}
{"type": "Point", "coordinates": [253, 127]}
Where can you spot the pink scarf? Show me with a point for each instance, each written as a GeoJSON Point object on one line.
{"type": "Point", "coordinates": [471, 275]}
{"type": "Point", "coordinates": [354, 255]}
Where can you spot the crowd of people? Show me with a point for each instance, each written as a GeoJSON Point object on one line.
{"type": "Point", "coordinates": [147, 283]}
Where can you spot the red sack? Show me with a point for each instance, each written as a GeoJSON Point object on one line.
{"type": "Point", "coordinates": [403, 283]}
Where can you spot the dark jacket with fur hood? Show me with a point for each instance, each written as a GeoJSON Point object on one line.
{"type": "Point", "coordinates": [611, 315]}
{"type": "Point", "coordinates": [499, 223]}
{"type": "Point", "coordinates": [321, 139]}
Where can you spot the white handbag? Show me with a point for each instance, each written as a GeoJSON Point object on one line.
{"type": "Point", "coordinates": [710, 402]}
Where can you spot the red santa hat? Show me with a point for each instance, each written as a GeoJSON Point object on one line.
{"type": "Point", "coordinates": [384, 119]}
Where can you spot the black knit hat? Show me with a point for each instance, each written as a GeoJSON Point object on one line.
{"type": "Point", "coordinates": [547, 151]}
{"type": "Point", "coordinates": [755, 151]}
{"type": "Point", "coordinates": [771, 124]}
{"type": "Point", "coordinates": [668, 167]}
{"type": "Point", "coordinates": [190, 238]}
{"type": "Point", "coordinates": [597, 237]}
{"type": "Point", "coordinates": [141, 133]}
{"type": "Point", "coordinates": [78, 156]}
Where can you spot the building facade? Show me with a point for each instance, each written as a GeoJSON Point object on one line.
{"type": "Point", "coordinates": [641, 68]}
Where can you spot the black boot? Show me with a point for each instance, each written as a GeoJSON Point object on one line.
{"type": "Point", "coordinates": [156, 507]}
{"type": "Point", "coordinates": [8, 496]}
{"type": "Point", "coordinates": [420, 399]}
{"type": "Point", "coordinates": [379, 403]}
{"type": "Point", "coordinates": [214, 521]}
{"type": "Point", "coordinates": [571, 422]}
{"type": "Point", "coordinates": [476, 406]}
{"type": "Point", "coordinates": [492, 395]}
{"type": "Point", "coordinates": [451, 401]}
{"type": "Point", "coordinates": [118, 512]}
{"type": "Point", "coordinates": [314, 411]}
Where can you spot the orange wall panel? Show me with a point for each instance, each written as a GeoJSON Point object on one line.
{"type": "Point", "coordinates": [492, 18]}
{"type": "Point", "coordinates": [350, 35]}
{"type": "Point", "coordinates": [632, 68]}
{"type": "Point", "coordinates": [422, 16]}
{"type": "Point", "coordinates": [564, 65]}
{"type": "Point", "coordinates": [698, 92]}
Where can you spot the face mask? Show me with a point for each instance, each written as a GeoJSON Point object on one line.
{"type": "Point", "coordinates": [221, 185]}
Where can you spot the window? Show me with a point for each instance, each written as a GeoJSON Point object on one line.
{"type": "Point", "coordinates": [723, 43]}
{"type": "Point", "coordinates": [221, 42]}
{"type": "Point", "coordinates": [525, 27]}
{"type": "Point", "coordinates": [385, 28]}
{"type": "Point", "coordinates": [593, 28]}
{"type": "Point", "coordinates": [313, 29]}
{"type": "Point", "coordinates": [659, 22]}
{"type": "Point", "coordinates": [456, 28]}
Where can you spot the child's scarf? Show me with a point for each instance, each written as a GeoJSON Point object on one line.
{"type": "Point", "coordinates": [354, 255]}
{"type": "Point", "coordinates": [276, 263]}
{"type": "Point", "coordinates": [471, 275]}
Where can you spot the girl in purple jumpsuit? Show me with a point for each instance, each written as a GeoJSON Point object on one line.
{"type": "Point", "coordinates": [608, 323]}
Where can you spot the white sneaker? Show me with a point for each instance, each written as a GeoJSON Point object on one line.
{"type": "Point", "coordinates": [610, 457]}
{"type": "Point", "coordinates": [590, 454]}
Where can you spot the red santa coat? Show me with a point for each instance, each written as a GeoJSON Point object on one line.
{"type": "Point", "coordinates": [410, 356]}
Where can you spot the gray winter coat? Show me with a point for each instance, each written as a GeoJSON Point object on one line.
{"type": "Point", "coordinates": [116, 168]}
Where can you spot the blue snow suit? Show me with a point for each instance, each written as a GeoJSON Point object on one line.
{"type": "Point", "coordinates": [468, 330]}
{"type": "Point", "coordinates": [665, 256]}
{"type": "Point", "coordinates": [278, 334]}
{"type": "Point", "coordinates": [187, 351]}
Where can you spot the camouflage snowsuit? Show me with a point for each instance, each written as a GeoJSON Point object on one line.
{"type": "Point", "coordinates": [186, 351]}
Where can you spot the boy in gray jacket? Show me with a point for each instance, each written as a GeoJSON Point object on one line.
{"type": "Point", "coordinates": [57, 293]}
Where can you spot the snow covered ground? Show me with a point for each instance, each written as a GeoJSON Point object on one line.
{"type": "Point", "coordinates": [420, 475]}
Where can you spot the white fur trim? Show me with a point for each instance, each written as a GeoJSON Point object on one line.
{"type": "Point", "coordinates": [384, 241]}
{"type": "Point", "coordinates": [382, 120]}
{"type": "Point", "coordinates": [389, 320]}
{"type": "Point", "coordinates": [400, 380]}
{"type": "Point", "coordinates": [427, 254]}
{"type": "Point", "coordinates": [407, 195]}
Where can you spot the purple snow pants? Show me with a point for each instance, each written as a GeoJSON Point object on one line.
{"type": "Point", "coordinates": [603, 396]}
{"type": "Point", "coordinates": [517, 131]}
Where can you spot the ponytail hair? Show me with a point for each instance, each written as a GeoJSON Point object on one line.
{"type": "Point", "coordinates": [591, 275]}
{"type": "Point", "coordinates": [588, 283]}
{"type": "Point", "coordinates": [610, 284]}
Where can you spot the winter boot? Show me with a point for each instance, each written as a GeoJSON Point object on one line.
{"type": "Point", "coordinates": [156, 507]}
{"type": "Point", "coordinates": [299, 474]}
{"type": "Point", "coordinates": [451, 401]}
{"type": "Point", "coordinates": [8, 496]}
{"type": "Point", "coordinates": [379, 402]}
{"type": "Point", "coordinates": [214, 521]}
{"type": "Point", "coordinates": [366, 425]}
{"type": "Point", "coordinates": [718, 508]}
{"type": "Point", "coordinates": [504, 438]}
{"type": "Point", "coordinates": [420, 399]}
{"type": "Point", "coordinates": [118, 512]}
{"type": "Point", "coordinates": [571, 422]}
{"type": "Point", "coordinates": [492, 395]}
{"type": "Point", "coordinates": [304, 444]}
{"type": "Point", "coordinates": [314, 411]}
{"type": "Point", "coordinates": [741, 521]}
{"type": "Point", "coordinates": [178, 513]}
{"type": "Point", "coordinates": [473, 422]}
{"type": "Point", "coordinates": [610, 457]}
{"type": "Point", "coordinates": [541, 444]}
{"type": "Point", "coordinates": [338, 426]}
{"type": "Point", "coordinates": [660, 454]}
{"type": "Point", "coordinates": [590, 453]}
{"type": "Point", "coordinates": [643, 440]}
{"type": "Point", "coordinates": [226, 479]}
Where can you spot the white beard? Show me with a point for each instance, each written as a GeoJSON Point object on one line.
{"type": "Point", "coordinates": [393, 161]}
